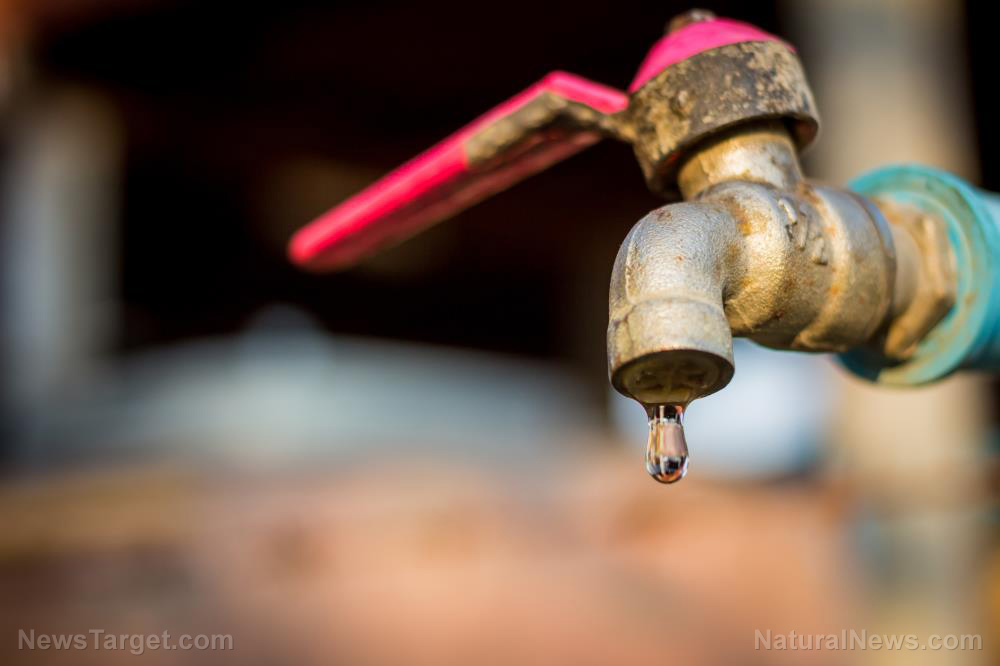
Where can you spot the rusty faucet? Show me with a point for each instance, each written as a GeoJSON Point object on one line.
{"type": "Point", "coordinates": [884, 273]}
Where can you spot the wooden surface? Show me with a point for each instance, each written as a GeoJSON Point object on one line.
{"type": "Point", "coordinates": [437, 565]}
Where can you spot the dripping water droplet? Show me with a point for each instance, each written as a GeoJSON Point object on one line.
{"type": "Point", "coordinates": [666, 450]}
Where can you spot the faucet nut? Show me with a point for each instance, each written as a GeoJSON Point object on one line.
{"type": "Point", "coordinates": [713, 91]}
{"type": "Point", "coordinates": [926, 279]}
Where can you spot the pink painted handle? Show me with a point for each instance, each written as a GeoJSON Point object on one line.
{"type": "Point", "coordinates": [446, 179]}
{"type": "Point", "coordinates": [693, 39]}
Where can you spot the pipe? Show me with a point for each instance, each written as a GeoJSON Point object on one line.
{"type": "Point", "coordinates": [960, 241]}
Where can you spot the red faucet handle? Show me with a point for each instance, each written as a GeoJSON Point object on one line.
{"type": "Point", "coordinates": [550, 121]}
{"type": "Point", "coordinates": [695, 38]}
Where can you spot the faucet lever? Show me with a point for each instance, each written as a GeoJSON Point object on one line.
{"type": "Point", "coordinates": [663, 115]}
{"type": "Point", "coordinates": [557, 117]}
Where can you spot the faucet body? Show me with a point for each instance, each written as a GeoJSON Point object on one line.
{"type": "Point", "coordinates": [758, 251]}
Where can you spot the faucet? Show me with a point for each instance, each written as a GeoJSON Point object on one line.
{"type": "Point", "coordinates": [897, 274]}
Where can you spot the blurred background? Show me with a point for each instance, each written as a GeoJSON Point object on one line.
{"type": "Point", "coordinates": [420, 461]}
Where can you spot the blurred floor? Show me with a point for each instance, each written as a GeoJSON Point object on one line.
{"type": "Point", "coordinates": [581, 563]}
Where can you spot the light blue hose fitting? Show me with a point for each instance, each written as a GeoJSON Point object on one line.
{"type": "Point", "coordinates": [969, 335]}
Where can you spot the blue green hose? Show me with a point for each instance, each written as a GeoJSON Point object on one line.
{"type": "Point", "coordinates": [969, 335]}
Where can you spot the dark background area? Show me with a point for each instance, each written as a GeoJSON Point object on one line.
{"type": "Point", "coordinates": [220, 99]}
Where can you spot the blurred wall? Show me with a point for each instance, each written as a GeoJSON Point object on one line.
{"type": "Point", "coordinates": [890, 81]}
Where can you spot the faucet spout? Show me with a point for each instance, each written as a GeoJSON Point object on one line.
{"type": "Point", "coordinates": [668, 337]}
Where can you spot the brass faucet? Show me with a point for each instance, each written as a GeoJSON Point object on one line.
{"type": "Point", "coordinates": [717, 115]}
{"type": "Point", "coordinates": [758, 251]}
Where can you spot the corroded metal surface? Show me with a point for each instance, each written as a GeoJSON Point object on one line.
{"type": "Point", "coordinates": [925, 290]}
{"type": "Point", "coordinates": [714, 91]}
{"type": "Point", "coordinates": [547, 118]}
{"type": "Point", "coordinates": [761, 252]}
{"type": "Point", "coordinates": [668, 337]}
{"type": "Point", "coordinates": [762, 153]}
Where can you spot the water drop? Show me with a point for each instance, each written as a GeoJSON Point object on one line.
{"type": "Point", "coordinates": [666, 450]}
